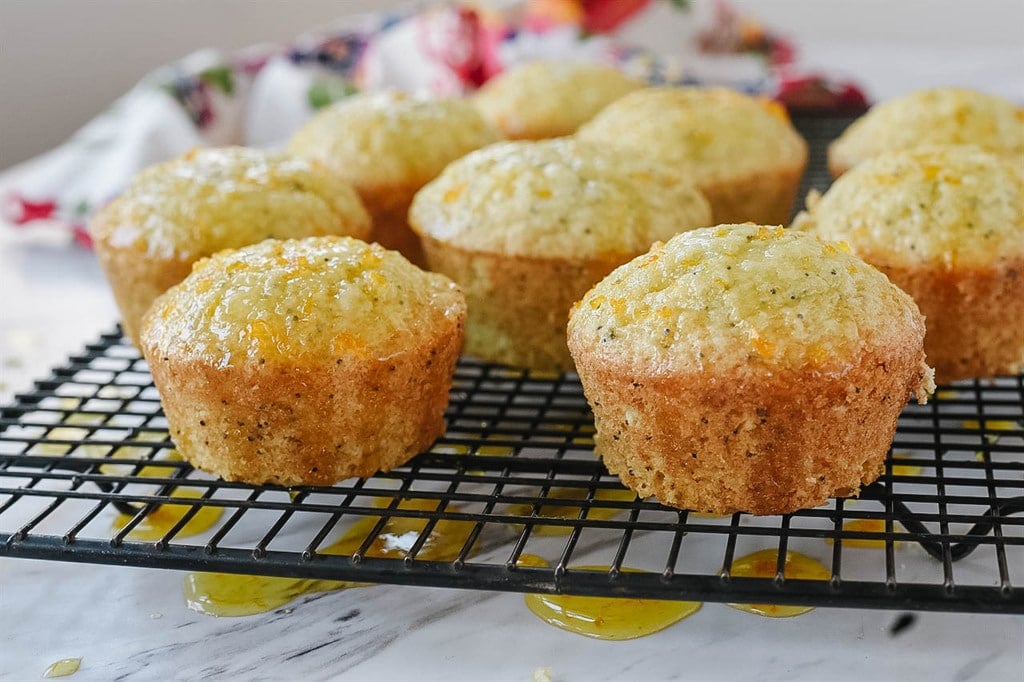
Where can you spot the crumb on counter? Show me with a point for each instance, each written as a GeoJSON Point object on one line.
{"type": "Point", "coordinates": [542, 675]}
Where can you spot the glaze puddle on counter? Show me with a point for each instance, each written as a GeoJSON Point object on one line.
{"type": "Point", "coordinates": [764, 564]}
{"type": "Point", "coordinates": [231, 595]}
{"type": "Point", "coordinates": [572, 511]}
{"type": "Point", "coordinates": [65, 667]}
{"type": "Point", "coordinates": [161, 520]}
{"type": "Point", "coordinates": [610, 618]}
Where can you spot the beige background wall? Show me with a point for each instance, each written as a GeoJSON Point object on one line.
{"type": "Point", "coordinates": [63, 61]}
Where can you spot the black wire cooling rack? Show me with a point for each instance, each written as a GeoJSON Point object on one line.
{"type": "Point", "coordinates": [85, 457]}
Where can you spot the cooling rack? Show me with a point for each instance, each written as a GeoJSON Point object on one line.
{"type": "Point", "coordinates": [85, 458]}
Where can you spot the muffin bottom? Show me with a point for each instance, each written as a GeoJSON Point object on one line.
{"type": "Point", "coordinates": [764, 442]}
{"type": "Point", "coordinates": [765, 197]}
{"type": "Point", "coordinates": [306, 424]}
{"type": "Point", "coordinates": [517, 306]}
{"type": "Point", "coordinates": [973, 317]}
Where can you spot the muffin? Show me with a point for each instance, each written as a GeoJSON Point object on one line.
{"type": "Point", "coordinates": [304, 362]}
{"type": "Point", "coordinates": [946, 224]}
{"type": "Point", "coordinates": [526, 228]}
{"type": "Point", "coordinates": [175, 213]}
{"type": "Point", "coordinates": [747, 368]}
{"type": "Point", "coordinates": [935, 116]}
{"type": "Point", "coordinates": [741, 151]}
{"type": "Point", "coordinates": [543, 99]}
{"type": "Point", "coordinates": [388, 145]}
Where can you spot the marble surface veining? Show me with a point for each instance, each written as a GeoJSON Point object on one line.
{"type": "Point", "coordinates": [129, 623]}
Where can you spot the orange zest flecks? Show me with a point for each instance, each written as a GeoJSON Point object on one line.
{"type": "Point", "coordinates": [264, 340]}
{"type": "Point", "coordinates": [817, 354]}
{"type": "Point", "coordinates": [764, 347]}
{"type": "Point", "coordinates": [345, 343]}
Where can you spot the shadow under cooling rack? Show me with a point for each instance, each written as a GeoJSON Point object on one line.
{"type": "Point", "coordinates": [85, 460]}
{"type": "Point", "coordinates": [513, 498]}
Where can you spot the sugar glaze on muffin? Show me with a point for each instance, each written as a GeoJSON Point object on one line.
{"type": "Point", "coordinates": [747, 368]}
{"type": "Point", "coordinates": [174, 213]}
{"type": "Point", "coordinates": [389, 144]}
{"type": "Point", "coordinates": [927, 117]}
{"type": "Point", "coordinates": [742, 151]}
{"type": "Point", "coordinates": [526, 228]}
{"type": "Point", "coordinates": [946, 224]}
{"type": "Point", "coordinates": [542, 99]}
{"type": "Point", "coordinates": [304, 361]}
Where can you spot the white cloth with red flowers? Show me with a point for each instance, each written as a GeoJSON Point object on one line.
{"type": "Point", "coordinates": [261, 95]}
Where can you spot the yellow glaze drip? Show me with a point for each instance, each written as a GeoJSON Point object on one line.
{"type": "Point", "coordinates": [398, 535]}
{"type": "Point", "coordinates": [166, 516]}
{"type": "Point", "coordinates": [904, 469]}
{"type": "Point", "coordinates": [496, 450]}
{"type": "Point", "coordinates": [155, 470]}
{"type": "Point", "coordinates": [992, 424]}
{"type": "Point", "coordinates": [865, 526]}
{"type": "Point", "coordinates": [222, 594]}
{"type": "Point", "coordinates": [762, 564]}
{"type": "Point", "coordinates": [63, 668]}
{"type": "Point", "coordinates": [556, 511]}
{"type": "Point", "coordinates": [608, 617]}
{"type": "Point", "coordinates": [532, 560]}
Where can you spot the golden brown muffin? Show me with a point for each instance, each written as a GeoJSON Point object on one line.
{"type": "Point", "coordinates": [741, 151]}
{"type": "Point", "coordinates": [926, 117]}
{"type": "Point", "coordinates": [747, 368]}
{"type": "Point", "coordinates": [526, 228]}
{"type": "Point", "coordinates": [388, 145]}
{"type": "Point", "coordinates": [175, 213]}
{"type": "Point", "coordinates": [304, 362]}
{"type": "Point", "coordinates": [946, 224]}
{"type": "Point", "coordinates": [542, 99]}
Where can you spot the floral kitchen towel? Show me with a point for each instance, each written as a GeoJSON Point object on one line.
{"type": "Point", "coordinates": [261, 95]}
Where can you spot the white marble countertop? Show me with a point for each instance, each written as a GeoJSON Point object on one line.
{"type": "Point", "coordinates": [133, 623]}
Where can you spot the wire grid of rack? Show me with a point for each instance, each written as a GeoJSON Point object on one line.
{"type": "Point", "coordinates": [517, 472]}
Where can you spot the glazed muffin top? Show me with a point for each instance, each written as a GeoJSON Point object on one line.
{"type": "Point", "coordinates": [741, 296]}
{"type": "Point", "coordinates": [934, 116]}
{"type": "Point", "coordinates": [712, 133]}
{"type": "Point", "coordinates": [556, 198]}
{"type": "Point", "coordinates": [547, 99]}
{"type": "Point", "coordinates": [382, 141]}
{"type": "Point", "coordinates": [212, 199]}
{"type": "Point", "coordinates": [948, 206]}
{"type": "Point", "coordinates": [320, 299]}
